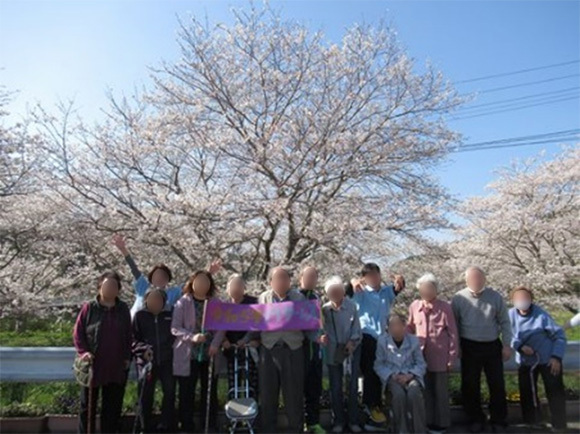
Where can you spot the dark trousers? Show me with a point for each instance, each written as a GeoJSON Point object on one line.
{"type": "Point", "coordinates": [112, 404]}
{"type": "Point", "coordinates": [529, 401]}
{"type": "Point", "coordinates": [335, 376]}
{"type": "Point", "coordinates": [187, 385]}
{"type": "Point", "coordinates": [146, 390]}
{"type": "Point", "coordinates": [486, 356]}
{"type": "Point", "coordinates": [281, 368]}
{"type": "Point", "coordinates": [371, 382]}
{"type": "Point", "coordinates": [436, 395]}
{"type": "Point", "coordinates": [312, 382]}
{"type": "Point", "coordinates": [230, 355]}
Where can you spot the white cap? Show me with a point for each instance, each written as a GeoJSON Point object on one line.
{"type": "Point", "coordinates": [333, 281]}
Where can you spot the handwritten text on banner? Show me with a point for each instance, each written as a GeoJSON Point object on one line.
{"type": "Point", "coordinates": [287, 315]}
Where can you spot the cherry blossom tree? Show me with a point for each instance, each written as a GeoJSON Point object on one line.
{"type": "Point", "coordinates": [525, 232]}
{"type": "Point", "coordinates": [264, 143]}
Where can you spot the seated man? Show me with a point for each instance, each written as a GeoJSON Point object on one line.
{"type": "Point", "coordinates": [400, 366]}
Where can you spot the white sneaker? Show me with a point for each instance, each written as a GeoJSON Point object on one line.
{"type": "Point", "coordinates": [355, 428]}
{"type": "Point", "coordinates": [337, 428]}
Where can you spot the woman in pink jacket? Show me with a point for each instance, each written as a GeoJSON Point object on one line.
{"type": "Point", "coordinates": [433, 322]}
{"type": "Point", "coordinates": [192, 351]}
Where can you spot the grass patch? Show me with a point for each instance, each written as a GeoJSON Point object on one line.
{"type": "Point", "coordinates": [33, 399]}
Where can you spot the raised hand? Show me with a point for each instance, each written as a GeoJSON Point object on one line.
{"type": "Point", "coordinates": [215, 266]}
{"type": "Point", "coordinates": [357, 284]}
{"type": "Point", "coordinates": [119, 242]}
{"type": "Point", "coordinates": [398, 282]}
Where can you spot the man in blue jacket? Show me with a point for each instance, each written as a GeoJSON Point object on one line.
{"type": "Point", "coordinates": [374, 301]}
{"type": "Point", "coordinates": [539, 344]}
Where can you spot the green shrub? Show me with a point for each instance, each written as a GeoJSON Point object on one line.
{"type": "Point", "coordinates": [22, 409]}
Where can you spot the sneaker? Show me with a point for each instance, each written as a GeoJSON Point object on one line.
{"type": "Point", "coordinates": [354, 428]}
{"type": "Point", "coordinates": [377, 416]}
{"type": "Point", "coordinates": [337, 428]}
{"type": "Point", "coordinates": [317, 429]}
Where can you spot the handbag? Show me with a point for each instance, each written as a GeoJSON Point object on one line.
{"type": "Point", "coordinates": [83, 371]}
{"type": "Point", "coordinates": [340, 353]}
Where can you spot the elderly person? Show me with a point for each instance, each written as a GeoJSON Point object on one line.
{"type": "Point", "coordinates": [102, 339]}
{"type": "Point", "coordinates": [482, 317]}
{"type": "Point", "coordinates": [192, 354]}
{"type": "Point", "coordinates": [432, 321]}
{"type": "Point", "coordinates": [282, 361]}
{"type": "Point", "coordinates": [540, 344]}
{"type": "Point", "coordinates": [342, 336]}
{"type": "Point", "coordinates": [400, 366]}
{"type": "Point", "coordinates": [230, 340]}
{"type": "Point", "coordinates": [312, 359]}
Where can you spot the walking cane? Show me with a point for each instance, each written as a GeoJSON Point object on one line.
{"type": "Point", "coordinates": [208, 402]}
{"type": "Point", "coordinates": [90, 400]}
{"type": "Point", "coordinates": [533, 383]}
{"type": "Point", "coordinates": [144, 377]}
{"type": "Point", "coordinates": [210, 369]}
{"type": "Point", "coordinates": [200, 353]}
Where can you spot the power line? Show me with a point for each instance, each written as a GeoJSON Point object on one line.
{"type": "Point", "coordinates": [515, 145]}
{"type": "Point", "coordinates": [518, 104]}
{"type": "Point", "coordinates": [525, 138]}
{"type": "Point", "coordinates": [505, 101]}
{"type": "Point", "coordinates": [529, 140]}
{"type": "Point", "coordinates": [521, 71]}
{"type": "Point", "coordinates": [529, 83]}
{"type": "Point", "coordinates": [521, 107]}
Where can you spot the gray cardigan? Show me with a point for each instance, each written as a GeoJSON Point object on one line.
{"type": "Point", "coordinates": [392, 360]}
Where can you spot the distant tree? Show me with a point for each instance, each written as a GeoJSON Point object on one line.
{"type": "Point", "coordinates": [525, 232]}
{"type": "Point", "coordinates": [528, 230]}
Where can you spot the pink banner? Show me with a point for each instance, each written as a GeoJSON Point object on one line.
{"type": "Point", "coordinates": [287, 315]}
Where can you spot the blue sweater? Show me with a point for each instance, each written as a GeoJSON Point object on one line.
{"type": "Point", "coordinates": [537, 330]}
{"type": "Point", "coordinates": [141, 286]}
{"type": "Point", "coordinates": [374, 308]}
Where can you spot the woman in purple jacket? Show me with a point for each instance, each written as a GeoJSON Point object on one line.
{"type": "Point", "coordinates": [191, 350]}
{"type": "Point", "coordinates": [102, 337]}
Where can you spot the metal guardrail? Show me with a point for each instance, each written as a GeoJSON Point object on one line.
{"type": "Point", "coordinates": [40, 364]}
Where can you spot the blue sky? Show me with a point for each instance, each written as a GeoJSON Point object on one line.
{"type": "Point", "coordinates": [63, 49]}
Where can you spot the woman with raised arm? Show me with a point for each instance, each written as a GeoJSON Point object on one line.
{"type": "Point", "coordinates": [158, 277]}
